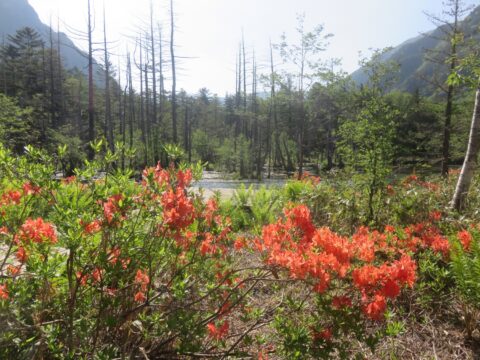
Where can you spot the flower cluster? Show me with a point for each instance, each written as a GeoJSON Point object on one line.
{"type": "Point", "coordinates": [376, 283]}
{"type": "Point", "coordinates": [178, 209]}
{"type": "Point", "coordinates": [218, 332]}
{"type": "Point", "coordinates": [3, 292]}
{"type": "Point", "coordinates": [141, 280]}
{"type": "Point", "coordinates": [11, 197]}
{"type": "Point", "coordinates": [426, 235]}
{"type": "Point", "coordinates": [308, 178]}
{"type": "Point", "coordinates": [92, 227]}
{"type": "Point", "coordinates": [320, 256]}
{"type": "Point", "coordinates": [465, 239]}
{"type": "Point", "coordinates": [413, 179]}
{"type": "Point", "coordinates": [111, 207]}
{"type": "Point", "coordinates": [37, 231]}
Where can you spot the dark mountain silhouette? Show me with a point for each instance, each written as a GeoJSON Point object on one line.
{"type": "Point", "coordinates": [15, 14]}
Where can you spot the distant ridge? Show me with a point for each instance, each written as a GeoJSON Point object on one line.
{"type": "Point", "coordinates": [411, 57]}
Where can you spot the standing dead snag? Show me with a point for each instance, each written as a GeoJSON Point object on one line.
{"type": "Point", "coordinates": [174, 75]}
{"type": "Point", "coordinates": [470, 162]}
{"type": "Point", "coordinates": [108, 107]}
{"type": "Point", "coordinates": [91, 110]}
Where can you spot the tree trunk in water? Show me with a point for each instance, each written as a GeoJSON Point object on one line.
{"type": "Point", "coordinates": [470, 162]}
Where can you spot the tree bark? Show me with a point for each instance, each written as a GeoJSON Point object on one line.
{"type": "Point", "coordinates": [174, 75]}
{"type": "Point", "coordinates": [143, 126]}
{"type": "Point", "coordinates": [470, 162]}
{"type": "Point", "coordinates": [91, 111]}
{"type": "Point", "coordinates": [108, 105]}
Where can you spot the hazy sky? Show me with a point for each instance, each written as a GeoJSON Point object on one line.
{"type": "Point", "coordinates": [209, 31]}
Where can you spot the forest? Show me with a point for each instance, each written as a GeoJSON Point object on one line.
{"type": "Point", "coordinates": [369, 247]}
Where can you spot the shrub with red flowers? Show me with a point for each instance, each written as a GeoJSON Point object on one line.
{"type": "Point", "coordinates": [107, 267]}
{"type": "Point", "coordinates": [354, 277]}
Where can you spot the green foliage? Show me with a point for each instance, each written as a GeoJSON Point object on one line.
{"type": "Point", "coordinates": [250, 209]}
{"type": "Point", "coordinates": [108, 253]}
{"type": "Point", "coordinates": [367, 149]}
{"type": "Point", "coordinates": [465, 267]}
{"type": "Point", "coordinates": [204, 147]}
{"type": "Point", "coordinates": [17, 126]}
{"type": "Point", "coordinates": [435, 284]}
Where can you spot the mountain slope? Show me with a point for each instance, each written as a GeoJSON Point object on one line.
{"type": "Point", "coordinates": [414, 68]}
{"type": "Point", "coordinates": [15, 14]}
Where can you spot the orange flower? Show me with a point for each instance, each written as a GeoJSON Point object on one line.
{"type": "Point", "coordinates": [69, 180]}
{"type": "Point", "coordinates": [207, 246]}
{"type": "Point", "coordinates": [339, 302]}
{"type": "Point", "coordinates": [435, 216]}
{"type": "Point", "coordinates": [210, 210]}
{"type": "Point", "coordinates": [217, 333]}
{"type": "Point", "coordinates": [12, 197]}
{"type": "Point", "coordinates": [114, 255]}
{"type": "Point", "coordinates": [465, 239]}
{"type": "Point", "coordinates": [390, 190]}
{"type": "Point", "coordinates": [184, 178]}
{"type": "Point", "coordinates": [262, 355]}
{"type": "Point", "coordinates": [376, 309]}
{"type": "Point", "coordinates": [326, 334]}
{"type": "Point", "coordinates": [178, 209]}
{"type": "Point", "coordinates": [91, 227]}
{"type": "Point", "coordinates": [21, 254]}
{"type": "Point", "coordinates": [82, 278]}
{"type": "Point", "coordinates": [97, 274]}
{"type": "Point", "coordinates": [391, 289]}
{"type": "Point", "coordinates": [3, 292]}
{"type": "Point", "coordinates": [389, 229]}
{"type": "Point", "coordinates": [37, 231]}
{"type": "Point", "coordinates": [13, 270]}
{"type": "Point", "coordinates": [239, 243]}
{"type": "Point", "coordinates": [111, 207]}
{"type": "Point", "coordinates": [29, 189]}
{"type": "Point", "coordinates": [140, 297]}
{"type": "Point", "coordinates": [142, 279]}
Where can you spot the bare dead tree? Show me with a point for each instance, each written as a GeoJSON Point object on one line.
{"type": "Point", "coordinates": [471, 157]}
{"type": "Point", "coordinates": [144, 127]}
{"type": "Point", "coordinates": [131, 101]}
{"type": "Point", "coordinates": [91, 109]}
{"type": "Point", "coordinates": [53, 120]}
{"type": "Point", "coordinates": [154, 66]}
{"type": "Point", "coordinates": [174, 74]}
{"type": "Point", "coordinates": [108, 106]}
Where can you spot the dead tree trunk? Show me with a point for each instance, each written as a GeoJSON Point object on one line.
{"type": "Point", "coordinates": [53, 119]}
{"type": "Point", "coordinates": [145, 129]}
{"type": "Point", "coordinates": [448, 117]}
{"type": "Point", "coordinates": [470, 162]}
{"type": "Point", "coordinates": [162, 85]}
{"type": "Point", "coordinates": [174, 74]}
{"type": "Point", "coordinates": [91, 110]}
{"type": "Point", "coordinates": [108, 106]}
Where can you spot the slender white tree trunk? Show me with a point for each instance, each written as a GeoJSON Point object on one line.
{"type": "Point", "coordinates": [470, 162]}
